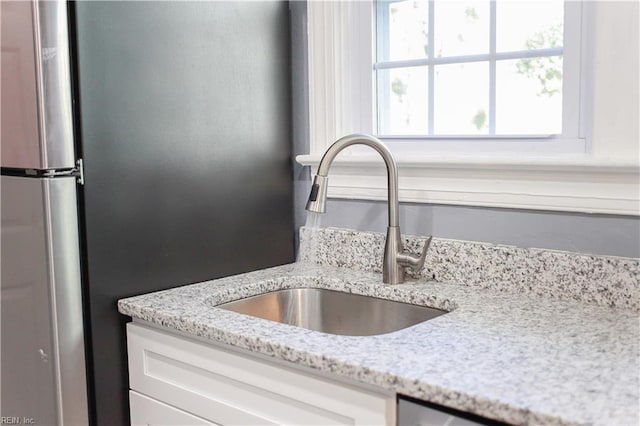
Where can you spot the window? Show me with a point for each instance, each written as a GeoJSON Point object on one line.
{"type": "Point", "coordinates": [471, 68]}
{"type": "Point", "coordinates": [588, 163]}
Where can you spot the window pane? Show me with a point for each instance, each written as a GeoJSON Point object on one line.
{"type": "Point", "coordinates": [461, 27]}
{"type": "Point", "coordinates": [529, 96]}
{"type": "Point", "coordinates": [402, 30]}
{"type": "Point", "coordinates": [402, 101]}
{"type": "Point", "coordinates": [528, 25]}
{"type": "Point", "coordinates": [461, 99]}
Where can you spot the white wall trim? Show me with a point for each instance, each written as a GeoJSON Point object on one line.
{"type": "Point", "coordinates": [340, 70]}
{"type": "Point", "coordinates": [578, 185]}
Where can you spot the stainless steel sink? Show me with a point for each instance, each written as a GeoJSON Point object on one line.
{"type": "Point", "coordinates": [333, 311]}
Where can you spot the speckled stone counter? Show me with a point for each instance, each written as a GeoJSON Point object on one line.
{"type": "Point", "coordinates": [505, 355]}
{"type": "Point", "coordinates": [603, 280]}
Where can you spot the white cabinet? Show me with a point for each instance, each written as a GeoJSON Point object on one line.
{"type": "Point", "coordinates": [214, 385]}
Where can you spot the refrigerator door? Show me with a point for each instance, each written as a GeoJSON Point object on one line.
{"type": "Point", "coordinates": [37, 127]}
{"type": "Point", "coordinates": [43, 364]}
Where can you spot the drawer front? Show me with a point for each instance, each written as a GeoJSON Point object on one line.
{"type": "Point", "coordinates": [229, 388]}
{"type": "Point", "coordinates": [146, 411]}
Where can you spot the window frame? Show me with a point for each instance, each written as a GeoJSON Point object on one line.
{"type": "Point", "coordinates": [551, 173]}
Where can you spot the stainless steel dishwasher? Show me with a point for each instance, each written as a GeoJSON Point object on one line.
{"type": "Point", "coordinates": [418, 413]}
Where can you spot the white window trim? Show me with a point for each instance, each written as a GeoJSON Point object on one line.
{"type": "Point", "coordinates": [602, 177]}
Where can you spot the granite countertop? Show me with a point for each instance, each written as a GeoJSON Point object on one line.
{"type": "Point", "coordinates": [510, 356]}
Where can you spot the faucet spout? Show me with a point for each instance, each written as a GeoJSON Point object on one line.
{"type": "Point", "coordinates": [395, 258]}
{"type": "Point", "coordinates": [327, 159]}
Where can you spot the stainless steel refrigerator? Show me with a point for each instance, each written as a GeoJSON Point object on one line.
{"type": "Point", "coordinates": [145, 145]}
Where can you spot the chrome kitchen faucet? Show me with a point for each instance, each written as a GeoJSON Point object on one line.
{"type": "Point", "coordinates": [396, 259]}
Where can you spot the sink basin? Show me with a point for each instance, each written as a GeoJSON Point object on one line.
{"type": "Point", "coordinates": [333, 312]}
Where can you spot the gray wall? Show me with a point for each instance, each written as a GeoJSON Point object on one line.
{"type": "Point", "coordinates": [300, 109]}
{"type": "Point", "coordinates": [589, 233]}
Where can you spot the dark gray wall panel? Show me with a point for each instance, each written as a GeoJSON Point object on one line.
{"type": "Point", "coordinates": [185, 120]}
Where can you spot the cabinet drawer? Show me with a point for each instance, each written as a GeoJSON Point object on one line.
{"type": "Point", "coordinates": [149, 412]}
{"type": "Point", "coordinates": [227, 387]}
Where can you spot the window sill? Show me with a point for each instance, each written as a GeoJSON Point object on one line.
{"type": "Point", "coordinates": [563, 183]}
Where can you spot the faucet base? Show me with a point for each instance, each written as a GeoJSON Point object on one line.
{"type": "Point", "coordinates": [392, 271]}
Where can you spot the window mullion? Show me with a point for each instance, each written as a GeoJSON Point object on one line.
{"type": "Point", "coordinates": [464, 59]}
{"type": "Point", "coordinates": [492, 67]}
{"type": "Point", "coordinates": [431, 70]}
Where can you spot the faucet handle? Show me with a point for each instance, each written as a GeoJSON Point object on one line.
{"type": "Point", "coordinates": [414, 261]}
